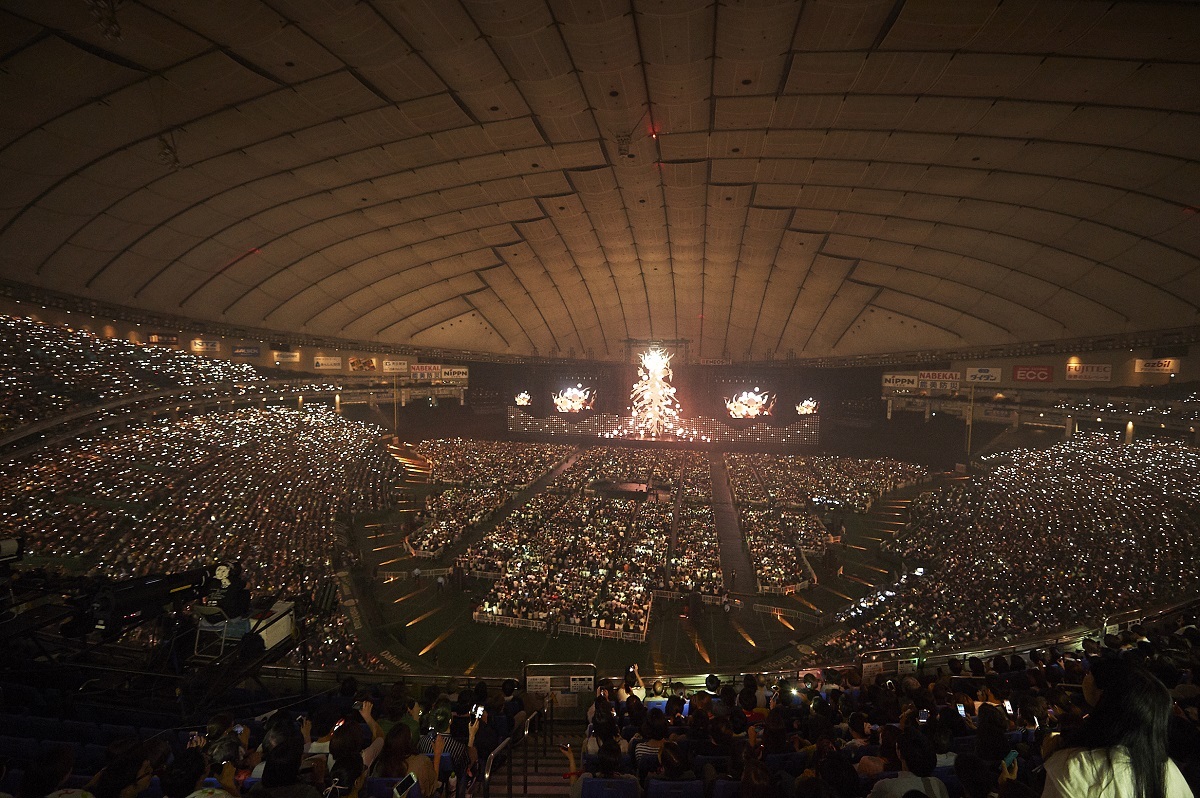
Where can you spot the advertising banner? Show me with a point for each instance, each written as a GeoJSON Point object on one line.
{"type": "Point", "coordinates": [363, 364]}
{"type": "Point", "coordinates": [983, 374]}
{"type": "Point", "coordinates": [899, 380]}
{"type": "Point", "coordinates": [714, 361]}
{"type": "Point", "coordinates": [395, 367]}
{"type": "Point", "coordinates": [1164, 365]}
{"type": "Point", "coordinates": [940, 376]}
{"type": "Point", "coordinates": [201, 345]}
{"type": "Point", "coordinates": [327, 363]}
{"type": "Point", "coordinates": [286, 357]}
{"type": "Point", "coordinates": [1033, 373]}
{"type": "Point", "coordinates": [454, 372]}
{"type": "Point", "coordinates": [425, 371]}
{"type": "Point", "coordinates": [165, 339]}
{"type": "Point", "coordinates": [1090, 372]}
{"type": "Point", "coordinates": [938, 385]}
{"type": "Point", "coordinates": [247, 351]}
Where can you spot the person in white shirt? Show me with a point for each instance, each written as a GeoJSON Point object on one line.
{"type": "Point", "coordinates": [1120, 750]}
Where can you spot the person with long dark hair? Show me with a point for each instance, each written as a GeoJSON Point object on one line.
{"type": "Point", "coordinates": [400, 757]}
{"type": "Point", "coordinates": [1120, 750]}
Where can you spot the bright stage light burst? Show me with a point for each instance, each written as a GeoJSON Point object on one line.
{"type": "Point", "coordinates": [523, 399]}
{"type": "Point", "coordinates": [574, 400]}
{"type": "Point", "coordinates": [807, 407]}
{"type": "Point", "coordinates": [750, 404]}
{"type": "Point", "coordinates": [655, 411]}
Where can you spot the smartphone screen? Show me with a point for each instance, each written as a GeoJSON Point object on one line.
{"type": "Point", "coordinates": [962, 710]}
{"type": "Point", "coordinates": [1008, 706]}
{"type": "Point", "coordinates": [923, 716]}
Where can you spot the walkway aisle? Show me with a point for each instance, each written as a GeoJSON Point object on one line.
{"type": "Point", "coordinates": [734, 556]}
{"type": "Point", "coordinates": [677, 503]}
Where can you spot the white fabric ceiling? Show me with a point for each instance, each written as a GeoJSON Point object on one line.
{"type": "Point", "coordinates": [761, 178]}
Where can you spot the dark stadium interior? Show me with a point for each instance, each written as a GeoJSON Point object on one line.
{"type": "Point", "coordinates": [690, 398]}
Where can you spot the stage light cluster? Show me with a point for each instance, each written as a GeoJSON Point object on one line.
{"type": "Point", "coordinates": [750, 404]}
{"type": "Point", "coordinates": [574, 400]}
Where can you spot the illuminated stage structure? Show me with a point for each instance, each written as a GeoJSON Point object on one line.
{"type": "Point", "coordinates": [656, 416]}
{"type": "Point", "coordinates": [699, 431]}
{"type": "Point", "coordinates": [655, 411]}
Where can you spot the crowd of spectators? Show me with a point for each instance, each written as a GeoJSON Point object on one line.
{"type": "Point", "coordinates": [590, 564]}
{"type": "Point", "coordinates": [266, 488]}
{"type": "Point", "coordinates": [461, 461]}
{"type": "Point", "coordinates": [776, 539]}
{"type": "Point", "coordinates": [513, 537]}
{"type": "Point", "coordinates": [1050, 723]}
{"type": "Point", "coordinates": [831, 482]}
{"type": "Point", "coordinates": [658, 468]}
{"type": "Point", "coordinates": [1052, 538]}
{"type": "Point", "coordinates": [696, 558]}
{"type": "Point", "coordinates": [695, 478]}
{"type": "Point", "coordinates": [454, 512]}
{"type": "Point", "coordinates": [48, 370]}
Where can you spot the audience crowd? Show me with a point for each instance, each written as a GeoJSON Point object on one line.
{"type": "Point", "coordinates": [47, 370]}
{"type": "Point", "coordinates": [459, 461]}
{"type": "Point", "coordinates": [266, 488]}
{"type": "Point", "coordinates": [695, 477]}
{"type": "Point", "coordinates": [591, 563]}
{"type": "Point", "coordinates": [1049, 723]}
{"type": "Point", "coordinates": [658, 468]}
{"type": "Point", "coordinates": [453, 513]}
{"type": "Point", "coordinates": [830, 482]}
{"type": "Point", "coordinates": [696, 557]}
{"type": "Point", "coordinates": [776, 539]}
{"type": "Point", "coordinates": [1049, 539]}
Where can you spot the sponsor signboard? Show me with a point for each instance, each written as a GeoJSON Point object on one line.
{"type": "Point", "coordinates": [983, 374]}
{"type": "Point", "coordinates": [247, 351]}
{"type": "Point", "coordinates": [395, 367]}
{"type": "Point", "coordinates": [165, 339]}
{"type": "Point", "coordinates": [714, 361]}
{"type": "Point", "coordinates": [1090, 372]}
{"type": "Point", "coordinates": [425, 371]}
{"type": "Point", "coordinates": [1163, 365]}
{"type": "Point", "coordinates": [363, 364]}
{"type": "Point", "coordinates": [286, 357]}
{"type": "Point", "coordinates": [201, 345]}
{"type": "Point", "coordinates": [1033, 373]}
{"type": "Point", "coordinates": [454, 372]}
{"type": "Point", "coordinates": [899, 380]}
{"type": "Point", "coordinates": [938, 385]}
{"type": "Point", "coordinates": [327, 362]}
{"type": "Point", "coordinates": [940, 375]}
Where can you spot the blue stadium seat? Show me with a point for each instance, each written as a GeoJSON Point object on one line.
{"type": "Point", "coordinates": [610, 788]}
{"type": "Point", "coordinates": [726, 788]}
{"type": "Point", "coordinates": [663, 788]}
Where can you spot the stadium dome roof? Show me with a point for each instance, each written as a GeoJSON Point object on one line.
{"type": "Point", "coordinates": [760, 178]}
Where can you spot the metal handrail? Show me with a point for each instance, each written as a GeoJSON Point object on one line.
{"type": "Point", "coordinates": [491, 763]}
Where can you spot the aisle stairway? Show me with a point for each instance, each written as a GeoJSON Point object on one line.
{"type": "Point", "coordinates": [734, 556]}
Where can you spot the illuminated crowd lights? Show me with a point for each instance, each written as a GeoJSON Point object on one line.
{"type": "Point", "coordinates": [574, 400]}
{"type": "Point", "coordinates": [750, 404]}
{"type": "Point", "coordinates": [523, 399]}
{"type": "Point", "coordinates": [807, 408]}
{"type": "Point", "coordinates": [655, 410]}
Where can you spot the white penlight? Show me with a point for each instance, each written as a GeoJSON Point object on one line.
{"type": "Point", "coordinates": [654, 407]}
{"type": "Point", "coordinates": [523, 399]}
